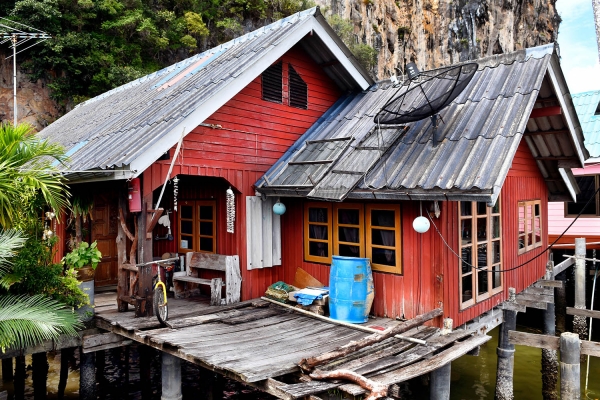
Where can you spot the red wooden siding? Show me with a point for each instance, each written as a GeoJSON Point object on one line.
{"type": "Point", "coordinates": [255, 133]}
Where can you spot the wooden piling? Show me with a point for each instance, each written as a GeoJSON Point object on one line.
{"type": "Point", "coordinates": [506, 357]}
{"type": "Point", "coordinates": [145, 361]}
{"type": "Point", "coordinates": [87, 375]}
{"type": "Point", "coordinates": [65, 355]}
{"type": "Point", "coordinates": [7, 369]}
{"type": "Point", "coordinates": [39, 364]}
{"type": "Point", "coordinates": [171, 377]}
{"type": "Point", "coordinates": [579, 322]}
{"type": "Point", "coordinates": [549, 356]}
{"type": "Point", "coordinates": [560, 301]}
{"type": "Point", "coordinates": [439, 383]}
{"type": "Point", "coordinates": [19, 379]}
{"type": "Point", "coordinates": [570, 385]}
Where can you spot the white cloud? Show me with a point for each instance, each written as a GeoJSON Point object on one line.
{"type": "Point", "coordinates": [573, 9]}
{"type": "Point", "coordinates": [583, 78]}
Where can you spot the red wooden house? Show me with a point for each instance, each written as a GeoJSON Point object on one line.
{"type": "Point", "coordinates": [286, 113]}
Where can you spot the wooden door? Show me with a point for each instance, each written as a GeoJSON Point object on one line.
{"type": "Point", "coordinates": [104, 231]}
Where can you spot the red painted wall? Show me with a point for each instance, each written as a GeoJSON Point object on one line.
{"type": "Point", "coordinates": [255, 133]}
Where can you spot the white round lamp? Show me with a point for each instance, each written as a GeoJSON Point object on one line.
{"type": "Point", "coordinates": [421, 224]}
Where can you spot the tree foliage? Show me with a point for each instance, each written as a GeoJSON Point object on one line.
{"type": "Point", "coordinates": [97, 45]}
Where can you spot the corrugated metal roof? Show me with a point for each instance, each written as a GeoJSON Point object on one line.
{"type": "Point", "coordinates": [119, 127]}
{"type": "Point", "coordinates": [587, 105]}
{"type": "Point", "coordinates": [477, 139]}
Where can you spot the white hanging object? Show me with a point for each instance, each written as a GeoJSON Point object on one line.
{"type": "Point", "coordinates": [230, 210]}
{"type": "Point", "coordinates": [175, 191]}
{"type": "Point", "coordinates": [421, 224]}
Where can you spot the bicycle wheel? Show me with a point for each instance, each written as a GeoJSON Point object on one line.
{"type": "Point", "coordinates": [160, 305]}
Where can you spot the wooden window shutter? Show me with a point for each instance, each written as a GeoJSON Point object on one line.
{"type": "Point", "coordinates": [298, 90]}
{"type": "Point", "coordinates": [272, 83]}
{"type": "Point", "coordinates": [263, 233]}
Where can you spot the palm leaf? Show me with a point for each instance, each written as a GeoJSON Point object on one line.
{"type": "Point", "coordinates": [10, 241]}
{"type": "Point", "coordinates": [29, 320]}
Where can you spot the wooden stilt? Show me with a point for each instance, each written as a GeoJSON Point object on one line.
{"type": "Point", "coordinates": [506, 357]}
{"type": "Point", "coordinates": [143, 307]}
{"type": "Point", "coordinates": [570, 385]}
{"type": "Point", "coordinates": [87, 375]}
{"type": "Point", "coordinates": [19, 380]}
{"type": "Point", "coordinates": [579, 322]}
{"type": "Point", "coordinates": [145, 360]}
{"type": "Point", "coordinates": [217, 387]}
{"type": "Point", "coordinates": [439, 383]}
{"type": "Point", "coordinates": [40, 367]}
{"type": "Point", "coordinates": [7, 369]}
{"type": "Point", "coordinates": [122, 274]}
{"type": "Point", "coordinates": [549, 356]}
{"type": "Point", "coordinates": [65, 356]}
{"type": "Point", "coordinates": [171, 377]}
{"type": "Point", "coordinates": [100, 367]}
{"type": "Point", "coordinates": [560, 301]}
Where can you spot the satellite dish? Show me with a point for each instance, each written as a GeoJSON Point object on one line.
{"type": "Point", "coordinates": [426, 94]}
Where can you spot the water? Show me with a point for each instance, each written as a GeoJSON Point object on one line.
{"type": "Point", "coordinates": [473, 378]}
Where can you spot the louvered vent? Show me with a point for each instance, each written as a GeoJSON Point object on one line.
{"type": "Point", "coordinates": [272, 83]}
{"type": "Point", "coordinates": [298, 90]}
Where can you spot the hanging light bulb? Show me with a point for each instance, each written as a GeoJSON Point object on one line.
{"type": "Point", "coordinates": [279, 208]}
{"type": "Point", "coordinates": [421, 224]}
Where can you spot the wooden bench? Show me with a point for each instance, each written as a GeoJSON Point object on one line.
{"type": "Point", "coordinates": [214, 262]}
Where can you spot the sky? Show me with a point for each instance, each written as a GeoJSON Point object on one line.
{"type": "Point", "coordinates": [578, 46]}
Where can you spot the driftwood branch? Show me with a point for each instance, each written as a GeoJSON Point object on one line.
{"type": "Point", "coordinates": [134, 243]}
{"type": "Point", "coordinates": [308, 364]}
{"type": "Point", "coordinates": [377, 389]}
{"type": "Point", "coordinates": [123, 225]}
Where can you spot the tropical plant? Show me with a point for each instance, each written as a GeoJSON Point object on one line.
{"type": "Point", "coordinates": [83, 255]}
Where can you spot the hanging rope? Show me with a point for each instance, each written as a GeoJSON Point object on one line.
{"type": "Point", "coordinates": [230, 210]}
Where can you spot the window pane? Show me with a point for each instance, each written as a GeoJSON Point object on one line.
{"type": "Point", "coordinates": [206, 244]}
{"type": "Point", "coordinates": [348, 217]}
{"type": "Point", "coordinates": [467, 258]}
{"type": "Point", "coordinates": [481, 208]}
{"type": "Point", "coordinates": [467, 288]}
{"type": "Point", "coordinates": [187, 212]}
{"type": "Point", "coordinates": [522, 241]}
{"type": "Point", "coordinates": [317, 215]}
{"type": "Point", "coordinates": [349, 235]}
{"type": "Point", "coordinates": [318, 249]}
{"type": "Point", "coordinates": [482, 282]}
{"type": "Point", "coordinates": [482, 255]}
{"type": "Point", "coordinates": [495, 227]}
{"type": "Point", "coordinates": [186, 242]}
{"type": "Point", "coordinates": [537, 210]}
{"type": "Point", "coordinates": [496, 251]}
{"type": "Point", "coordinates": [383, 218]}
{"type": "Point", "coordinates": [187, 227]}
{"type": "Point", "coordinates": [384, 256]}
{"type": "Point", "coordinates": [383, 237]}
{"type": "Point", "coordinates": [587, 184]}
{"type": "Point", "coordinates": [481, 229]}
{"type": "Point", "coordinates": [466, 231]}
{"type": "Point", "coordinates": [496, 277]}
{"type": "Point", "coordinates": [206, 212]}
{"type": "Point", "coordinates": [317, 232]}
{"type": "Point", "coordinates": [538, 237]}
{"type": "Point", "coordinates": [496, 207]}
{"type": "Point", "coordinates": [465, 208]}
{"type": "Point", "coordinates": [349, 251]}
{"type": "Point", "coordinates": [206, 228]}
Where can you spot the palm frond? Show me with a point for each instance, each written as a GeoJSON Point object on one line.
{"type": "Point", "coordinates": [10, 241]}
{"type": "Point", "coordinates": [29, 320]}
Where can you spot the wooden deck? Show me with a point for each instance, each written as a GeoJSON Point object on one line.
{"type": "Point", "coordinates": [255, 342]}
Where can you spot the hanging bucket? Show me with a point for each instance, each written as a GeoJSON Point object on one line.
{"type": "Point", "coordinates": [351, 289]}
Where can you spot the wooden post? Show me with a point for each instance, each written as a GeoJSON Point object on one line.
{"type": "Point", "coordinates": [560, 301]}
{"type": "Point", "coordinates": [506, 354]}
{"type": "Point", "coordinates": [100, 376]}
{"type": "Point", "coordinates": [570, 385]}
{"type": "Point", "coordinates": [171, 377]}
{"type": "Point", "coordinates": [19, 380]}
{"type": "Point", "coordinates": [145, 361]}
{"type": "Point", "coordinates": [549, 356]}
{"type": "Point", "coordinates": [439, 384]}
{"type": "Point", "coordinates": [65, 355]}
{"type": "Point", "coordinates": [39, 364]}
{"type": "Point", "coordinates": [144, 306]}
{"type": "Point", "coordinates": [122, 274]}
{"type": "Point", "coordinates": [579, 322]}
{"type": "Point", "coordinates": [7, 369]}
{"type": "Point", "coordinates": [87, 375]}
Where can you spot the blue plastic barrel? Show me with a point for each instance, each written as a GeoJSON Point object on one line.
{"type": "Point", "coordinates": [351, 289]}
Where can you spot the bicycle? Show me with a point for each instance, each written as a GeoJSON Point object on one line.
{"type": "Point", "coordinates": [160, 302]}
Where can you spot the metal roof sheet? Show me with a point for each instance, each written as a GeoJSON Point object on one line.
{"type": "Point", "coordinates": [477, 139]}
{"type": "Point", "coordinates": [119, 127]}
{"type": "Point", "coordinates": [587, 105]}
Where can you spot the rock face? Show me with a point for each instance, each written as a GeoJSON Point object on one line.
{"type": "Point", "coordinates": [34, 104]}
{"type": "Point", "coordinates": [433, 33]}
{"type": "Point", "coordinates": [430, 33]}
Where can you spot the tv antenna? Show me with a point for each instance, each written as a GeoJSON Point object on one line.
{"type": "Point", "coordinates": [426, 94]}
{"type": "Point", "coordinates": [19, 34]}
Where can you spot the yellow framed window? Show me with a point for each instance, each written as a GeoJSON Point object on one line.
{"type": "Point", "coordinates": [348, 232]}
{"type": "Point", "coordinates": [197, 226]}
{"type": "Point", "coordinates": [317, 232]}
{"type": "Point", "coordinates": [383, 233]}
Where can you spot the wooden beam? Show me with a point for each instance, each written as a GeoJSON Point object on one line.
{"type": "Point", "coordinates": [543, 290]}
{"type": "Point", "coordinates": [533, 340]}
{"type": "Point", "coordinates": [563, 265]}
{"type": "Point", "coordinates": [507, 305]}
{"type": "Point", "coordinates": [540, 305]}
{"type": "Point", "coordinates": [535, 297]}
{"type": "Point", "coordinates": [553, 158]}
{"type": "Point", "coordinates": [545, 112]}
{"type": "Point", "coordinates": [590, 348]}
{"type": "Point", "coordinates": [536, 133]}
{"type": "Point", "coordinates": [553, 284]}
{"type": "Point", "coordinates": [573, 163]}
{"type": "Point", "coordinates": [152, 220]}
{"type": "Point", "coordinates": [582, 312]}
{"type": "Point", "coordinates": [103, 341]}
{"type": "Point", "coordinates": [551, 99]}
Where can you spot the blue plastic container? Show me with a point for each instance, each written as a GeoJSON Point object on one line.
{"type": "Point", "coordinates": [351, 289]}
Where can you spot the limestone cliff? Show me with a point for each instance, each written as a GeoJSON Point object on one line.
{"type": "Point", "coordinates": [433, 33]}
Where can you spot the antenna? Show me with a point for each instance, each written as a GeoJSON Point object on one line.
{"type": "Point", "coordinates": [426, 94]}
{"type": "Point", "coordinates": [15, 33]}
